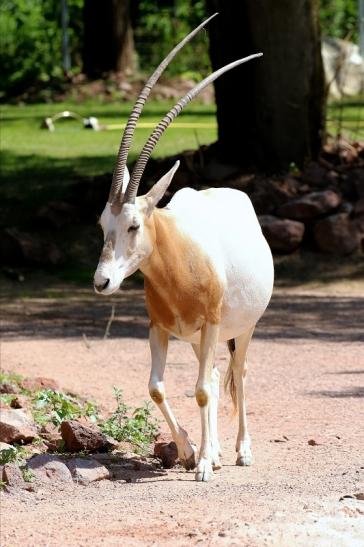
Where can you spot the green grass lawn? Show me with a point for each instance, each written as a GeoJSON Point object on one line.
{"type": "Point", "coordinates": [37, 164]}
{"type": "Point", "coordinates": [29, 152]}
{"type": "Point", "coordinates": [44, 159]}
{"type": "Point", "coordinates": [346, 117]}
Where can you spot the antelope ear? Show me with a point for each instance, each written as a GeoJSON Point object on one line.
{"type": "Point", "coordinates": [156, 193]}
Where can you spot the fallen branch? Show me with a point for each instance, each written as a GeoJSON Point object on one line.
{"type": "Point", "coordinates": [109, 323]}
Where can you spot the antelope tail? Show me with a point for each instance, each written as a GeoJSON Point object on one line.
{"type": "Point", "coordinates": [229, 382]}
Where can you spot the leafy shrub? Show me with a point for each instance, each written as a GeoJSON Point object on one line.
{"type": "Point", "coordinates": [15, 454]}
{"type": "Point", "coordinates": [339, 18]}
{"type": "Point", "coordinates": [10, 378]}
{"type": "Point", "coordinates": [139, 429]}
{"type": "Point", "coordinates": [7, 398]}
{"type": "Point", "coordinates": [55, 407]}
{"type": "Point", "coordinates": [8, 455]}
{"type": "Point", "coordinates": [31, 38]}
{"type": "Point", "coordinates": [161, 25]}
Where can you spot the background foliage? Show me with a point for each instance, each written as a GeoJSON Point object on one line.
{"type": "Point", "coordinates": [30, 43]}
{"type": "Point", "coordinates": [30, 30]}
{"type": "Point", "coordinates": [160, 25]}
{"type": "Point", "coordinates": [339, 18]}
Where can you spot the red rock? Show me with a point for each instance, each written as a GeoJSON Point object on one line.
{"type": "Point", "coordinates": [310, 206]}
{"type": "Point", "coordinates": [78, 437]}
{"type": "Point", "coordinates": [337, 234]}
{"type": "Point", "coordinates": [268, 194]}
{"type": "Point", "coordinates": [13, 476]}
{"type": "Point", "coordinates": [20, 401]}
{"type": "Point", "coordinates": [8, 389]}
{"type": "Point", "coordinates": [16, 427]}
{"type": "Point", "coordinates": [167, 452]}
{"type": "Point", "coordinates": [85, 470]}
{"type": "Point", "coordinates": [357, 176]}
{"type": "Point", "coordinates": [38, 383]}
{"type": "Point", "coordinates": [314, 174]}
{"type": "Point", "coordinates": [313, 442]}
{"type": "Point", "coordinates": [359, 207]}
{"type": "Point", "coordinates": [283, 235]}
{"type": "Point", "coordinates": [52, 437]}
{"type": "Point", "coordinates": [49, 468]}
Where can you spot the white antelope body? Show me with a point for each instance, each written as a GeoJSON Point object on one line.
{"type": "Point", "coordinates": [208, 277]}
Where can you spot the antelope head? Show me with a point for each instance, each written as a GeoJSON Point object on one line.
{"type": "Point", "coordinates": [127, 239]}
{"type": "Point", "coordinates": [125, 219]}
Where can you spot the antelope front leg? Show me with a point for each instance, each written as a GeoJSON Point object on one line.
{"type": "Point", "coordinates": [209, 338]}
{"type": "Point", "coordinates": [158, 340]}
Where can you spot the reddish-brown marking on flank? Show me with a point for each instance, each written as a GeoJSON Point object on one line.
{"type": "Point", "coordinates": [180, 284]}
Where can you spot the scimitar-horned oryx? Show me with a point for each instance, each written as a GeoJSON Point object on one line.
{"type": "Point", "coordinates": [208, 275]}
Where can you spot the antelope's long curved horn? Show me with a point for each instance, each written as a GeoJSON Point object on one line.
{"type": "Point", "coordinates": [137, 109]}
{"type": "Point", "coordinates": [139, 167]}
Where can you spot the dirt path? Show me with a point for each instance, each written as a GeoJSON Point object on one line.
{"type": "Point", "coordinates": [305, 382]}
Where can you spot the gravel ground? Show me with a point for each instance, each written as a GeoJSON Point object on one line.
{"type": "Point", "coordinates": [305, 382]}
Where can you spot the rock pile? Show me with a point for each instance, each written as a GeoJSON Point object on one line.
{"type": "Point", "coordinates": [320, 208]}
{"type": "Point", "coordinates": [83, 455]}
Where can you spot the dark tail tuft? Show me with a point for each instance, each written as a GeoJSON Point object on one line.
{"type": "Point", "coordinates": [229, 376]}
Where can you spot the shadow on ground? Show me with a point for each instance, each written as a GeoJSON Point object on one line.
{"type": "Point", "coordinates": [68, 311]}
{"type": "Point", "coordinates": [353, 392]}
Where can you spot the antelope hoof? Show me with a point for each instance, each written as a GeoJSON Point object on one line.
{"type": "Point", "coordinates": [244, 458]}
{"type": "Point", "coordinates": [188, 460]}
{"type": "Point", "coordinates": [216, 464]}
{"type": "Point", "coordinates": [190, 463]}
{"type": "Point", "coordinates": [204, 471]}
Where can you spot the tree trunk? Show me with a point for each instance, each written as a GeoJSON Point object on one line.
{"type": "Point", "coordinates": [108, 37]}
{"type": "Point", "coordinates": [270, 111]}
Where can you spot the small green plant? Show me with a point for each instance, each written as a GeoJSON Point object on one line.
{"type": "Point", "coordinates": [139, 429]}
{"type": "Point", "coordinates": [28, 474]}
{"type": "Point", "coordinates": [10, 378]}
{"type": "Point", "coordinates": [7, 398]}
{"type": "Point", "coordinates": [8, 455]}
{"type": "Point", "coordinates": [14, 453]}
{"type": "Point", "coordinates": [2, 485]}
{"type": "Point", "coordinates": [55, 407]}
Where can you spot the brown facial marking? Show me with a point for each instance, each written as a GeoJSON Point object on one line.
{"type": "Point", "coordinates": [201, 397]}
{"type": "Point", "coordinates": [157, 396]}
{"type": "Point", "coordinates": [116, 208]}
{"type": "Point", "coordinates": [179, 279]}
{"type": "Point", "coordinates": [108, 248]}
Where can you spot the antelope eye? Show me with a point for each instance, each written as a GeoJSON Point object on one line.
{"type": "Point", "coordinates": [134, 228]}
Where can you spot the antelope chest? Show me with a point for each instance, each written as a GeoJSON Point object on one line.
{"type": "Point", "coordinates": [182, 289]}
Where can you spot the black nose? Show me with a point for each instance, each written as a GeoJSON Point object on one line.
{"type": "Point", "coordinates": [100, 288]}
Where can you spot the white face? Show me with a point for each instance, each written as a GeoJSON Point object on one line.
{"type": "Point", "coordinates": [126, 240]}
{"type": "Point", "coordinates": [126, 245]}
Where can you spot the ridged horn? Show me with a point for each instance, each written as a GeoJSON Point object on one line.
{"type": "Point", "coordinates": [127, 138]}
{"type": "Point", "coordinates": [139, 167]}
